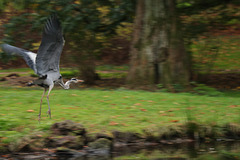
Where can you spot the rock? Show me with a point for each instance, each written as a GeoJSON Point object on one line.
{"type": "Point", "coordinates": [68, 128]}
{"type": "Point", "coordinates": [73, 142]}
{"type": "Point", "coordinates": [91, 137]}
{"type": "Point", "coordinates": [106, 136]}
{"type": "Point", "coordinates": [29, 143]}
{"type": "Point", "coordinates": [127, 137]}
{"type": "Point", "coordinates": [101, 143]}
{"type": "Point", "coordinates": [232, 130]}
{"type": "Point", "coordinates": [101, 147]}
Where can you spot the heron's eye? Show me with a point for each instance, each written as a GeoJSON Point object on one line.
{"type": "Point", "coordinates": [74, 79]}
{"type": "Point", "coordinates": [60, 77]}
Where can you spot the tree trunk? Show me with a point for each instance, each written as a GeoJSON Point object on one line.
{"type": "Point", "coordinates": [87, 70]}
{"type": "Point", "coordinates": [157, 50]}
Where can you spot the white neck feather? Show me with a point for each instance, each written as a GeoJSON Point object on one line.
{"type": "Point", "coordinates": [66, 85]}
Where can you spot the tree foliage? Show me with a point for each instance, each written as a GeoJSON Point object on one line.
{"type": "Point", "coordinates": [87, 25]}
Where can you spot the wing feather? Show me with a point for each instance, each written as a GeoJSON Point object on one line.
{"type": "Point", "coordinates": [28, 56]}
{"type": "Point", "coordinates": [50, 50]}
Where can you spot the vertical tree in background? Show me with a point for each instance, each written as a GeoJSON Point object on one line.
{"type": "Point", "coordinates": [157, 51]}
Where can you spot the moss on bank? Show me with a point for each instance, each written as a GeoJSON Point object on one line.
{"type": "Point", "coordinates": [70, 136]}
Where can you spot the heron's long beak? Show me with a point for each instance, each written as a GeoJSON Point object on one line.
{"type": "Point", "coordinates": [80, 80]}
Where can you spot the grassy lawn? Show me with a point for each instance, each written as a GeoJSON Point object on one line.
{"type": "Point", "coordinates": [106, 110]}
{"type": "Point", "coordinates": [101, 110]}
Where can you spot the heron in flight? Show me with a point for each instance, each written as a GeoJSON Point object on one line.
{"type": "Point", "coordinates": [46, 62]}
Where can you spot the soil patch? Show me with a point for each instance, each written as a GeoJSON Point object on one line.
{"type": "Point", "coordinates": [222, 80]}
{"type": "Point", "coordinates": [219, 81]}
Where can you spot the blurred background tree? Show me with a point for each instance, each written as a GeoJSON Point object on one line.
{"type": "Point", "coordinates": [94, 29]}
{"type": "Point", "coordinates": [158, 52]}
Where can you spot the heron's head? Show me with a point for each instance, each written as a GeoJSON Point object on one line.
{"type": "Point", "coordinates": [74, 80]}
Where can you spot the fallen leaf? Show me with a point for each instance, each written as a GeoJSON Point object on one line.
{"type": "Point", "coordinates": [137, 104]}
{"type": "Point", "coordinates": [232, 106]}
{"type": "Point", "coordinates": [164, 114]}
{"type": "Point", "coordinates": [115, 116]}
{"type": "Point", "coordinates": [39, 135]}
{"type": "Point", "coordinates": [174, 121]}
{"type": "Point", "coordinates": [112, 123]}
{"type": "Point", "coordinates": [142, 109]}
{"type": "Point", "coordinates": [5, 156]}
{"type": "Point", "coordinates": [30, 110]}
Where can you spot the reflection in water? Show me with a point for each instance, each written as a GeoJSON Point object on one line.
{"type": "Point", "coordinates": [183, 151]}
{"type": "Point", "coordinates": [196, 151]}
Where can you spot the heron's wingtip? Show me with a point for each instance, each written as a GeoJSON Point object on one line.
{"type": "Point", "coordinates": [3, 44]}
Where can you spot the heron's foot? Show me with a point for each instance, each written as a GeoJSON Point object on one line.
{"type": "Point", "coordinates": [39, 118]}
{"type": "Point", "coordinates": [49, 113]}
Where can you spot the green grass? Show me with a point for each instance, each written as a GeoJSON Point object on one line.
{"type": "Point", "coordinates": [16, 70]}
{"type": "Point", "coordinates": [106, 110]}
{"type": "Point", "coordinates": [110, 75]}
{"type": "Point", "coordinates": [19, 71]}
{"type": "Point", "coordinates": [112, 68]}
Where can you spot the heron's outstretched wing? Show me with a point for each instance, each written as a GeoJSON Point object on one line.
{"type": "Point", "coordinates": [50, 50]}
{"type": "Point", "coordinates": [28, 56]}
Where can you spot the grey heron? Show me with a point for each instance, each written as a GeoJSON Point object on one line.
{"type": "Point", "coordinates": [46, 62]}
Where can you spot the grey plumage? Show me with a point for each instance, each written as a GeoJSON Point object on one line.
{"type": "Point", "coordinates": [51, 47]}
{"type": "Point", "coordinates": [28, 56]}
{"type": "Point", "coordinates": [46, 62]}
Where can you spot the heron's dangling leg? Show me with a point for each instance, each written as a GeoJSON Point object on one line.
{"type": "Point", "coordinates": [49, 109]}
{"type": "Point", "coordinates": [39, 115]}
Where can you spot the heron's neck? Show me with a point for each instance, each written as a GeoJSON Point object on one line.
{"type": "Point", "coordinates": [66, 85]}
